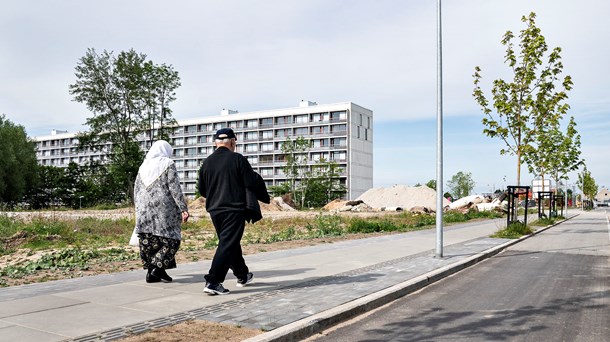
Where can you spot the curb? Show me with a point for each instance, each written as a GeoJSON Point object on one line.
{"type": "Point", "coordinates": [314, 324]}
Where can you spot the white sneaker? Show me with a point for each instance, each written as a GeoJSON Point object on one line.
{"type": "Point", "coordinates": [243, 282]}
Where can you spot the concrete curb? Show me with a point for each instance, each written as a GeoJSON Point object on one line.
{"type": "Point", "coordinates": [314, 324]}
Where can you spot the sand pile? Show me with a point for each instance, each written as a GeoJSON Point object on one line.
{"type": "Point", "coordinates": [401, 196]}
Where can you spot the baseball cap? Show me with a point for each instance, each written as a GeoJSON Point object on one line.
{"type": "Point", "coordinates": [225, 133]}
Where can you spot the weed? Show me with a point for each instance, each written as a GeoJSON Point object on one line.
{"type": "Point", "coordinates": [514, 230]}
{"type": "Point", "coordinates": [325, 225]}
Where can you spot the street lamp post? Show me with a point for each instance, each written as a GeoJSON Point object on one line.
{"type": "Point", "coordinates": [439, 137]}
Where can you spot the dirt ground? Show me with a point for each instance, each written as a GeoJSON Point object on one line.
{"type": "Point", "coordinates": [195, 331]}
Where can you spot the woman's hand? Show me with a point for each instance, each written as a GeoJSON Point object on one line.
{"type": "Point", "coordinates": [185, 216]}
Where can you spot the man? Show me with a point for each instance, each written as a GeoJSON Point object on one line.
{"type": "Point", "coordinates": [227, 180]}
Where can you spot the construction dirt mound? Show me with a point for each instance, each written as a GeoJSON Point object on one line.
{"type": "Point", "coordinates": [402, 196]}
{"type": "Point", "coordinates": [277, 204]}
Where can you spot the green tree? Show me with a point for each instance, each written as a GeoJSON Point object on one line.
{"type": "Point", "coordinates": [128, 95]}
{"type": "Point", "coordinates": [19, 165]}
{"type": "Point", "coordinates": [296, 154]}
{"type": "Point", "coordinates": [431, 184]}
{"type": "Point", "coordinates": [566, 153]}
{"type": "Point", "coordinates": [586, 184]}
{"type": "Point", "coordinates": [461, 184]}
{"type": "Point", "coordinates": [531, 100]}
{"type": "Point", "coordinates": [324, 183]}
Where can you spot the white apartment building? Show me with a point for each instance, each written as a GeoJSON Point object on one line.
{"type": "Point", "coordinates": [340, 132]}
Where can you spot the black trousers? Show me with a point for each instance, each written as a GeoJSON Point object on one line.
{"type": "Point", "coordinates": [230, 229]}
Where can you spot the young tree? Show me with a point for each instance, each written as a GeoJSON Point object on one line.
{"type": "Point", "coordinates": [461, 184]}
{"type": "Point", "coordinates": [431, 184]}
{"type": "Point", "coordinates": [296, 153]}
{"type": "Point", "coordinates": [587, 185]}
{"type": "Point", "coordinates": [324, 183]}
{"type": "Point", "coordinates": [18, 162]}
{"type": "Point", "coordinates": [127, 95]}
{"type": "Point", "coordinates": [567, 153]}
{"type": "Point", "coordinates": [530, 100]}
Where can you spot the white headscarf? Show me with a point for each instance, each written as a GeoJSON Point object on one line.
{"type": "Point", "coordinates": [156, 162]}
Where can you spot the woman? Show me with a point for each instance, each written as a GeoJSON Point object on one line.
{"type": "Point", "coordinates": [160, 209]}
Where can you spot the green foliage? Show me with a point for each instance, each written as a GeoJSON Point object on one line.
{"type": "Point", "coordinates": [530, 106]}
{"type": "Point", "coordinates": [461, 184]}
{"type": "Point", "coordinates": [586, 184]}
{"type": "Point", "coordinates": [128, 96]}
{"type": "Point", "coordinates": [325, 225]}
{"type": "Point", "coordinates": [431, 184]}
{"type": "Point", "coordinates": [545, 221]}
{"type": "Point", "coordinates": [18, 163]}
{"type": "Point", "coordinates": [514, 230]}
{"type": "Point", "coordinates": [365, 226]}
{"type": "Point", "coordinates": [70, 258]}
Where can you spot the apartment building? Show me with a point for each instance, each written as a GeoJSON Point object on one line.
{"type": "Point", "coordinates": [340, 132]}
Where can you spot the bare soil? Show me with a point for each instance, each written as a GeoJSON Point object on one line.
{"type": "Point", "coordinates": [195, 331]}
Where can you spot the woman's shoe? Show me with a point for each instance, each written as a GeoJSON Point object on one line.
{"type": "Point", "coordinates": [161, 274]}
{"type": "Point", "coordinates": [151, 278]}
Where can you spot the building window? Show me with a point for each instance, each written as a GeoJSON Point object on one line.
{"type": "Point", "coordinates": [320, 117]}
{"type": "Point", "coordinates": [319, 130]}
{"type": "Point", "coordinates": [336, 116]}
{"type": "Point", "coordinates": [250, 136]}
{"type": "Point", "coordinates": [301, 118]}
{"type": "Point", "coordinates": [251, 147]}
{"type": "Point", "coordinates": [267, 135]}
{"type": "Point", "coordinates": [267, 146]}
{"type": "Point", "coordinates": [338, 142]}
{"type": "Point", "coordinates": [338, 128]}
{"type": "Point", "coordinates": [301, 131]}
{"type": "Point", "coordinates": [266, 122]}
{"type": "Point", "coordinates": [282, 120]}
{"type": "Point", "coordinates": [251, 123]}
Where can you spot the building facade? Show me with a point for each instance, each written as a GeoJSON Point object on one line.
{"type": "Point", "coordinates": [340, 132]}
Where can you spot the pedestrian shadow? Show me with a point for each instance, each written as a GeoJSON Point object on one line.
{"type": "Point", "coordinates": [199, 277]}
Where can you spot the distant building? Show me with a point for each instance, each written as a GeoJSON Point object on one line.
{"type": "Point", "coordinates": [603, 197]}
{"type": "Point", "coordinates": [341, 132]}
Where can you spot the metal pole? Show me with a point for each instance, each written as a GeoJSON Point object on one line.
{"type": "Point", "coordinates": [439, 138]}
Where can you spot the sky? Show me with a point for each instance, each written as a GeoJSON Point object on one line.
{"type": "Point", "coordinates": [259, 55]}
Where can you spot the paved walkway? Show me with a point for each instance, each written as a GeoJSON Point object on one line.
{"type": "Point", "coordinates": [295, 292]}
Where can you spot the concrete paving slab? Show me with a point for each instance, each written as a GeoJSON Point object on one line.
{"type": "Point", "coordinates": [35, 304]}
{"type": "Point", "coordinates": [79, 320]}
{"type": "Point", "coordinates": [16, 333]}
{"type": "Point", "coordinates": [118, 294]}
{"type": "Point", "coordinates": [171, 304]}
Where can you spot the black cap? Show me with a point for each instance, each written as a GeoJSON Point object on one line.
{"type": "Point", "coordinates": [225, 133]}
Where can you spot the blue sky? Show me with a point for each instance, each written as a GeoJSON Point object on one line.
{"type": "Point", "coordinates": [257, 55]}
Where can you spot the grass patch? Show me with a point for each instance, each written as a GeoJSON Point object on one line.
{"type": "Point", "coordinates": [514, 230]}
{"type": "Point", "coordinates": [43, 233]}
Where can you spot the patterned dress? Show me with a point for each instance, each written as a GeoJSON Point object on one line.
{"type": "Point", "coordinates": [158, 218]}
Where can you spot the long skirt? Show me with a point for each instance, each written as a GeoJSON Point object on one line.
{"type": "Point", "coordinates": [157, 251]}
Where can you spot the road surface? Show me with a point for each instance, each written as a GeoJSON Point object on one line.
{"type": "Point", "coordinates": [552, 287]}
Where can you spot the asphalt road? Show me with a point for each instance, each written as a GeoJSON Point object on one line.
{"type": "Point", "coordinates": [552, 287]}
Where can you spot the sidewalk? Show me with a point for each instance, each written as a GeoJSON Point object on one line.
{"type": "Point", "coordinates": [295, 292]}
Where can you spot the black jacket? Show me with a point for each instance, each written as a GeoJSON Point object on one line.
{"type": "Point", "coordinates": [224, 178]}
